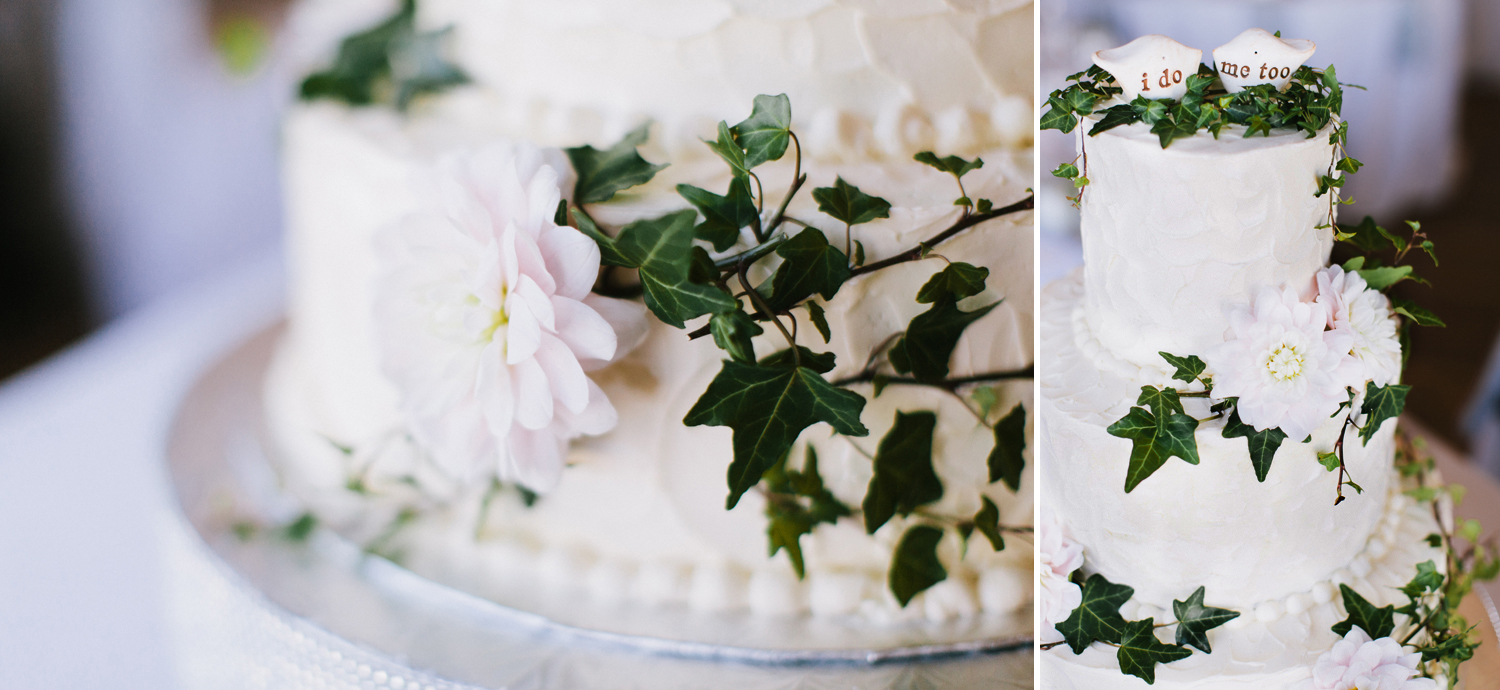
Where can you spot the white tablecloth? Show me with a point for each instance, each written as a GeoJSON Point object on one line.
{"type": "Point", "coordinates": [82, 486]}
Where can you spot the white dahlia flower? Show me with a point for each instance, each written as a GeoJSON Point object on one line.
{"type": "Point", "coordinates": [1359, 663]}
{"type": "Point", "coordinates": [486, 323]}
{"type": "Point", "coordinates": [1058, 556]}
{"type": "Point", "coordinates": [1365, 315]}
{"type": "Point", "coordinates": [1286, 369]}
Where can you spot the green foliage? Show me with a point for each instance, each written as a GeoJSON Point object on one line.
{"type": "Point", "coordinates": [300, 529]}
{"type": "Point", "coordinates": [1140, 651]}
{"type": "Point", "coordinates": [928, 344]}
{"type": "Point", "coordinates": [662, 248]}
{"type": "Point", "coordinates": [809, 266]}
{"type": "Point", "coordinates": [1005, 461]}
{"type": "Point", "coordinates": [847, 203]}
{"type": "Point", "coordinates": [723, 216]}
{"type": "Point", "coordinates": [765, 134]}
{"type": "Point", "coordinates": [1194, 620]}
{"type": "Point", "coordinates": [603, 173]}
{"type": "Point", "coordinates": [608, 254]}
{"type": "Point", "coordinates": [1164, 432]}
{"type": "Point", "coordinates": [1263, 444]}
{"type": "Point", "coordinates": [1376, 622]}
{"type": "Point", "coordinates": [1418, 315]}
{"type": "Point", "coordinates": [732, 331]}
{"type": "Point", "coordinates": [952, 165]}
{"type": "Point", "coordinates": [1329, 461]}
{"type": "Point", "coordinates": [819, 320]}
{"type": "Point", "coordinates": [904, 478]}
{"type": "Point", "coordinates": [1098, 617]}
{"type": "Point", "coordinates": [729, 150]}
{"type": "Point", "coordinates": [1385, 402]}
{"type": "Point", "coordinates": [1066, 171]}
{"type": "Point", "coordinates": [797, 503]}
{"type": "Point", "coordinates": [987, 521]}
{"type": "Point", "coordinates": [768, 407]}
{"type": "Point", "coordinates": [821, 362]}
{"type": "Point", "coordinates": [390, 62]}
{"type": "Point", "coordinates": [915, 565]}
{"type": "Point", "coordinates": [956, 281]}
{"type": "Point", "coordinates": [1189, 369]}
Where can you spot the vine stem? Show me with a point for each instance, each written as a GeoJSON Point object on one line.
{"type": "Point", "coordinates": [765, 309]}
{"type": "Point", "coordinates": [946, 384]}
{"type": "Point", "coordinates": [1338, 447]}
{"type": "Point", "coordinates": [963, 224]}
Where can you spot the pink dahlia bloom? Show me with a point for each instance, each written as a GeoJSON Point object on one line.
{"type": "Point", "coordinates": [1057, 558]}
{"type": "Point", "coordinates": [1287, 370]}
{"type": "Point", "coordinates": [1359, 663]}
{"type": "Point", "coordinates": [1365, 315]}
{"type": "Point", "coordinates": [486, 322]}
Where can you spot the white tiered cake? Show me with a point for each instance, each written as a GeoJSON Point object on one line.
{"type": "Point", "coordinates": [638, 515]}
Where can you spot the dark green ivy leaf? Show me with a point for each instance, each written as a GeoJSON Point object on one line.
{"type": "Point", "coordinates": [1376, 623]}
{"type": "Point", "coordinates": [1114, 116]}
{"type": "Point", "coordinates": [956, 281]}
{"type": "Point", "coordinates": [1097, 618]}
{"type": "Point", "coordinates": [1157, 435]}
{"type": "Point", "coordinates": [987, 521]}
{"type": "Point", "coordinates": [1005, 460]}
{"type": "Point", "coordinates": [768, 407]}
{"type": "Point", "coordinates": [732, 331]}
{"type": "Point", "coordinates": [1188, 368]}
{"type": "Point", "coordinates": [847, 203]}
{"type": "Point", "coordinates": [1427, 579]}
{"type": "Point", "coordinates": [809, 266]}
{"type": "Point", "coordinates": [1194, 620]}
{"type": "Point", "coordinates": [1418, 315]}
{"type": "Point", "coordinates": [790, 518]}
{"type": "Point", "coordinates": [1366, 235]}
{"type": "Point", "coordinates": [729, 150]}
{"type": "Point", "coordinates": [392, 53]}
{"type": "Point", "coordinates": [821, 362]}
{"type": "Point", "coordinates": [952, 165]}
{"type": "Point", "coordinates": [903, 478]}
{"type": "Point", "coordinates": [723, 216]}
{"type": "Point", "coordinates": [662, 248]}
{"type": "Point", "coordinates": [1380, 404]}
{"type": "Point", "coordinates": [1058, 116]}
{"type": "Point", "coordinates": [819, 320]}
{"type": "Point", "coordinates": [765, 134]}
{"type": "Point", "coordinates": [602, 173]}
{"type": "Point", "coordinates": [915, 566]}
{"type": "Point", "coordinates": [608, 254]}
{"type": "Point", "coordinates": [928, 344]}
{"type": "Point", "coordinates": [1140, 651]}
{"type": "Point", "coordinates": [1263, 444]}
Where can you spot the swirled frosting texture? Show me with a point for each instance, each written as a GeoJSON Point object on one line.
{"type": "Point", "coordinates": [1173, 237]}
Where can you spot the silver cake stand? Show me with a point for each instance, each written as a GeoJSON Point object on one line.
{"type": "Point", "coordinates": [265, 612]}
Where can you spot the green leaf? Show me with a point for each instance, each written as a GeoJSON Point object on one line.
{"type": "Point", "coordinates": [301, 528]}
{"type": "Point", "coordinates": [1194, 620]}
{"type": "Point", "coordinates": [1097, 618]}
{"type": "Point", "coordinates": [1427, 579]}
{"type": "Point", "coordinates": [732, 331]}
{"type": "Point", "coordinates": [1115, 116]}
{"type": "Point", "coordinates": [821, 362]}
{"type": "Point", "coordinates": [1329, 461]}
{"type": "Point", "coordinates": [818, 319]}
{"type": "Point", "coordinates": [1376, 623]}
{"type": "Point", "coordinates": [723, 216]}
{"type": "Point", "coordinates": [859, 247]}
{"type": "Point", "coordinates": [915, 565]}
{"type": "Point", "coordinates": [1080, 101]}
{"type": "Point", "coordinates": [768, 407]}
{"type": "Point", "coordinates": [389, 62]}
{"type": "Point", "coordinates": [987, 521]}
{"type": "Point", "coordinates": [1348, 165]}
{"type": "Point", "coordinates": [1366, 235]}
{"type": "Point", "coordinates": [1418, 315]}
{"type": "Point", "coordinates": [1066, 171]}
{"type": "Point", "coordinates": [729, 150]}
{"type": "Point", "coordinates": [1263, 444]}
{"type": "Point", "coordinates": [1058, 117]}
{"type": "Point", "coordinates": [1180, 125]}
{"type": "Point", "coordinates": [1140, 651]}
{"type": "Point", "coordinates": [903, 478]}
{"type": "Point", "coordinates": [765, 134]}
{"type": "Point", "coordinates": [1005, 461]}
{"type": "Point", "coordinates": [847, 203]}
{"type": "Point", "coordinates": [789, 517]}
{"type": "Point", "coordinates": [1381, 403]}
{"type": "Point", "coordinates": [956, 281]}
{"type": "Point", "coordinates": [662, 249]}
{"type": "Point", "coordinates": [986, 398]}
{"type": "Point", "coordinates": [1163, 433]}
{"type": "Point", "coordinates": [1188, 368]}
{"type": "Point", "coordinates": [608, 254]}
{"type": "Point", "coordinates": [809, 266]}
{"type": "Point", "coordinates": [603, 173]}
{"type": "Point", "coordinates": [928, 344]}
{"type": "Point", "coordinates": [1149, 111]}
{"type": "Point", "coordinates": [1385, 276]}
{"type": "Point", "coordinates": [952, 165]}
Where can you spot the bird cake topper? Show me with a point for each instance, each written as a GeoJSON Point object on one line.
{"type": "Point", "coordinates": [1257, 56]}
{"type": "Point", "coordinates": [1153, 66]}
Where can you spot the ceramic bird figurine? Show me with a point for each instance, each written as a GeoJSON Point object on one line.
{"type": "Point", "coordinates": [1257, 56]}
{"type": "Point", "coordinates": [1152, 66]}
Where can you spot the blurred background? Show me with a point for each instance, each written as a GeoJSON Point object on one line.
{"type": "Point", "coordinates": [1424, 128]}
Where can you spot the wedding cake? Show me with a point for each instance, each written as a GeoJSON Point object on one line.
{"type": "Point", "coordinates": [546, 296]}
{"type": "Point", "coordinates": [1224, 503]}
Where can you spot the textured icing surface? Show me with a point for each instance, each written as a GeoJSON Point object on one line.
{"type": "Point", "coordinates": [1172, 237]}
{"type": "Point", "coordinates": [1211, 524]}
{"type": "Point", "coordinates": [640, 514]}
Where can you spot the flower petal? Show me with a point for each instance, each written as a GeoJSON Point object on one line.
{"type": "Point", "coordinates": [570, 386]}
{"type": "Point", "coordinates": [584, 330]}
{"type": "Point", "coordinates": [533, 395]}
{"type": "Point", "coordinates": [572, 258]}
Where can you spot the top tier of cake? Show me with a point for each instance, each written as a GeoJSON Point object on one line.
{"type": "Point", "coordinates": [1174, 237]}
{"type": "Point", "coordinates": [870, 78]}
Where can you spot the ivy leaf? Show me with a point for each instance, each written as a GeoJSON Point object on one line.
{"type": "Point", "coordinates": [987, 521]}
{"type": "Point", "coordinates": [819, 320]}
{"type": "Point", "coordinates": [809, 266]}
{"type": "Point", "coordinates": [821, 362]}
{"type": "Point", "coordinates": [1189, 368]}
{"type": "Point", "coordinates": [603, 173]}
{"type": "Point", "coordinates": [1157, 435]}
{"type": "Point", "coordinates": [1005, 461]}
{"type": "Point", "coordinates": [1066, 171]}
{"type": "Point", "coordinates": [662, 248]}
{"type": "Point", "coordinates": [301, 528]}
{"type": "Point", "coordinates": [956, 281]}
{"type": "Point", "coordinates": [1384, 276]}
{"type": "Point", "coordinates": [1080, 101]}
{"type": "Point", "coordinates": [1180, 125]}
{"type": "Point", "coordinates": [1263, 444]}
{"type": "Point", "coordinates": [928, 344]}
{"type": "Point", "coordinates": [723, 216]}
{"type": "Point", "coordinates": [1418, 315]}
{"type": "Point", "coordinates": [904, 478]}
{"type": "Point", "coordinates": [765, 134]}
{"type": "Point", "coordinates": [1366, 235]}
{"type": "Point", "coordinates": [1376, 623]}
{"type": "Point", "coordinates": [1141, 651]}
{"type": "Point", "coordinates": [790, 519]}
{"type": "Point", "coordinates": [1380, 404]}
{"type": "Point", "coordinates": [952, 165]}
{"type": "Point", "coordinates": [1058, 116]}
{"type": "Point", "coordinates": [608, 254]}
{"type": "Point", "coordinates": [1097, 617]}
{"type": "Point", "coordinates": [1427, 579]}
{"type": "Point", "coordinates": [915, 566]}
{"type": "Point", "coordinates": [1194, 620]}
{"type": "Point", "coordinates": [732, 331]}
{"type": "Point", "coordinates": [390, 53]}
{"type": "Point", "coordinates": [847, 203]}
{"type": "Point", "coordinates": [1114, 116]}
{"type": "Point", "coordinates": [768, 407]}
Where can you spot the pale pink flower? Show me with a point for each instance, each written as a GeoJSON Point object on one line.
{"type": "Point", "coordinates": [1365, 315]}
{"type": "Point", "coordinates": [1057, 557]}
{"type": "Point", "coordinates": [486, 322]}
{"type": "Point", "coordinates": [1359, 663]}
{"type": "Point", "coordinates": [1286, 369]}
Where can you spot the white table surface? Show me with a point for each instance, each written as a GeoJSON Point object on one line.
{"type": "Point", "coordinates": [82, 486]}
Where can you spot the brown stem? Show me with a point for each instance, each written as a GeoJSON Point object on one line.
{"type": "Point", "coordinates": [963, 224]}
{"type": "Point", "coordinates": [765, 310]}
{"type": "Point", "coordinates": [946, 384]}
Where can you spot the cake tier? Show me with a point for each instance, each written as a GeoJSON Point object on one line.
{"type": "Point", "coordinates": [1274, 645]}
{"type": "Point", "coordinates": [640, 513]}
{"type": "Point", "coordinates": [869, 78]}
{"type": "Point", "coordinates": [1174, 236]}
{"type": "Point", "coordinates": [1210, 524]}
